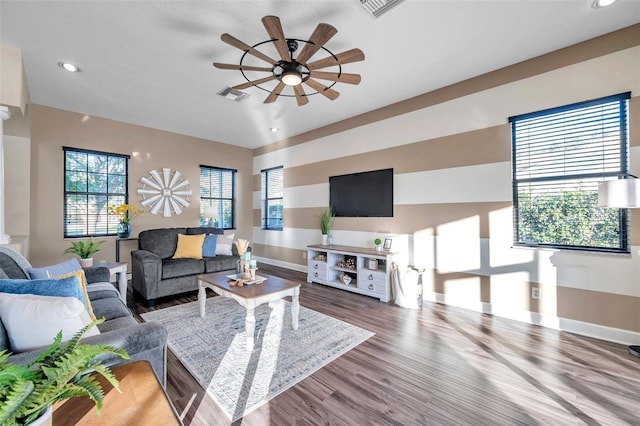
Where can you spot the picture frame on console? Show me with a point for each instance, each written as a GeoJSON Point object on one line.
{"type": "Point", "coordinates": [387, 244]}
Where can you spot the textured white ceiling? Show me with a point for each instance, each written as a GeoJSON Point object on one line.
{"type": "Point", "coordinates": [149, 62]}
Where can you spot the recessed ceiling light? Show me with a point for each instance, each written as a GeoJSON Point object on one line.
{"type": "Point", "coordinates": [602, 3]}
{"type": "Point", "coordinates": [68, 67]}
{"type": "Point", "coordinates": [274, 130]}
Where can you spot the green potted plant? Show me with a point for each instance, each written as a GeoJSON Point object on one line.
{"type": "Point", "coordinates": [326, 222]}
{"type": "Point", "coordinates": [85, 251]}
{"type": "Point", "coordinates": [378, 244]}
{"type": "Point", "coordinates": [27, 392]}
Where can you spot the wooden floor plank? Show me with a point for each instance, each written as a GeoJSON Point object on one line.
{"type": "Point", "coordinates": [438, 365]}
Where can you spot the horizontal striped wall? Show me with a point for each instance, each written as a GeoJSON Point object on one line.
{"type": "Point", "coordinates": [452, 192]}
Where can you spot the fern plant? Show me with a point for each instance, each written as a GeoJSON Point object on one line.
{"type": "Point", "coordinates": [84, 249]}
{"type": "Point", "coordinates": [59, 373]}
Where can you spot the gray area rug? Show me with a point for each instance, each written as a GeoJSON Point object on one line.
{"type": "Point", "coordinates": [213, 348]}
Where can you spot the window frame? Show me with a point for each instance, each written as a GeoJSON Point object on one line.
{"type": "Point", "coordinates": [264, 208]}
{"type": "Point", "coordinates": [66, 193]}
{"type": "Point", "coordinates": [205, 201]}
{"type": "Point", "coordinates": [623, 171]}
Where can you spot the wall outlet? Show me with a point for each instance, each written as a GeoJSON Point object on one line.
{"type": "Point", "coordinates": [304, 254]}
{"type": "Point", "coordinates": [535, 292]}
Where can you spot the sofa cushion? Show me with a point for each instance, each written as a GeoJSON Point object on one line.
{"type": "Point", "coordinates": [63, 287]}
{"type": "Point", "coordinates": [33, 321]}
{"type": "Point", "coordinates": [58, 269]}
{"type": "Point", "coordinates": [209, 246]}
{"type": "Point", "coordinates": [110, 308]}
{"type": "Point", "coordinates": [117, 324]}
{"type": "Point", "coordinates": [224, 245]}
{"type": "Point", "coordinates": [219, 263]}
{"type": "Point", "coordinates": [174, 268]}
{"type": "Point", "coordinates": [161, 242]}
{"type": "Point", "coordinates": [101, 290]}
{"type": "Point", "coordinates": [189, 246]}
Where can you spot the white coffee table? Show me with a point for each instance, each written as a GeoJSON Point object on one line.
{"type": "Point", "coordinates": [250, 296]}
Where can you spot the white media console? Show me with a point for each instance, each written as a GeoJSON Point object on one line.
{"type": "Point", "coordinates": [369, 270]}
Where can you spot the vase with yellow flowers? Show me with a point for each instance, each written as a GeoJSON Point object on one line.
{"type": "Point", "coordinates": [125, 213]}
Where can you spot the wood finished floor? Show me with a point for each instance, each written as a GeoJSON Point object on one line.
{"type": "Point", "coordinates": [436, 366]}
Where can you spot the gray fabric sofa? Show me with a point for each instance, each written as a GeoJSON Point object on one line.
{"type": "Point", "coordinates": [155, 274]}
{"type": "Point", "coordinates": [142, 341]}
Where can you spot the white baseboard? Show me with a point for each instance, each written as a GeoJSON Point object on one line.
{"type": "Point", "coordinates": [288, 265]}
{"type": "Point", "coordinates": [602, 332]}
{"type": "Point", "coordinates": [616, 335]}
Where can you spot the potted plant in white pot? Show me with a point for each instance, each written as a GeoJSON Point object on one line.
{"type": "Point", "coordinates": [326, 222]}
{"type": "Point", "coordinates": [85, 251]}
{"type": "Point", "coordinates": [378, 244]}
{"type": "Point", "coordinates": [27, 392]}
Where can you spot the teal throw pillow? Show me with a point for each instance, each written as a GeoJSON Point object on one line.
{"type": "Point", "coordinates": [209, 246]}
{"type": "Point", "coordinates": [62, 287]}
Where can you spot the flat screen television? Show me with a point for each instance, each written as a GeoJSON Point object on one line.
{"type": "Point", "coordinates": [366, 194]}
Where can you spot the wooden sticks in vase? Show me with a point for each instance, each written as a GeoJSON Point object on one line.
{"type": "Point", "coordinates": [242, 246]}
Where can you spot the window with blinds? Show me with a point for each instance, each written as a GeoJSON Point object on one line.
{"type": "Point", "coordinates": [217, 190]}
{"type": "Point", "coordinates": [92, 181]}
{"type": "Point", "coordinates": [560, 156]}
{"type": "Point", "coordinates": [272, 192]}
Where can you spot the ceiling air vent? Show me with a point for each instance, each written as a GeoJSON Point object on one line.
{"type": "Point", "coordinates": [378, 7]}
{"type": "Point", "coordinates": [233, 94]}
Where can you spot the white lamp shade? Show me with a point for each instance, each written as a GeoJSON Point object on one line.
{"type": "Point", "coordinates": [211, 212]}
{"type": "Point", "coordinates": [620, 193]}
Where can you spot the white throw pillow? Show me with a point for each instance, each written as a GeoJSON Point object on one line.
{"type": "Point", "coordinates": [33, 321]}
{"type": "Point", "coordinates": [224, 245]}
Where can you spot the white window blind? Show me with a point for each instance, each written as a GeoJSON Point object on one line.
{"type": "Point", "coordinates": [272, 196]}
{"type": "Point", "coordinates": [92, 181]}
{"type": "Point", "coordinates": [217, 189]}
{"type": "Point", "coordinates": [559, 158]}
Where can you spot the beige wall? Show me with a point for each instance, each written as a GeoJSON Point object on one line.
{"type": "Point", "coordinates": [149, 149]}
{"type": "Point", "coordinates": [17, 151]}
{"type": "Point", "coordinates": [450, 150]}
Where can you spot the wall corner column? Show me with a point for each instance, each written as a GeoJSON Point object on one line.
{"type": "Point", "coordinates": [4, 115]}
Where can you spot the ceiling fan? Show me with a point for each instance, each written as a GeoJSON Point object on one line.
{"type": "Point", "coordinates": [292, 70]}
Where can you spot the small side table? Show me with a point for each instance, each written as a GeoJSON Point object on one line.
{"type": "Point", "coordinates": [120, 269]}
{"type": "Point", "coordinates": [143, 401]}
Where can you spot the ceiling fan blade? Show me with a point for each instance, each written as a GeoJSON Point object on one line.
{"type": "Point", "coordinates": [334, 76]}
{"type": "Point", "coordinates": [320, 36]}
{"type": "Point", "coordinates": [240, 67]}
{"type": "Point", "coordinates": [353, 55]}
{"type": "Point", "coordinates": [274, 93]}
{"type": "Point", "coordinates": [229, 39]}
{"type": "Point", "coordinates": [274, 29]}
{"type": "Point", "coordinates": [300, 95]}
{"type": "Point", "coordinates": [322, 89]}
{"type": "Point", "coordinates": [253, 83]}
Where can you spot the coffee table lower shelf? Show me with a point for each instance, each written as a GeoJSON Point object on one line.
{"type": "Point", "coordinates": [250, 297]}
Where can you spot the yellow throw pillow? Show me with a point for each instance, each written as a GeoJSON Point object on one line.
{"type": "Point", "coordinates": [189, 246]}
{"type": "Point", "coordinates": [79, 274]}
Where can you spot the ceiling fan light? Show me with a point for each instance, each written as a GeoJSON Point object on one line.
{"type": "Point", "coordinates": [291, 78]}
{"type": "Point", "coordinates": [602, 3]}
{"type": "Point", "coordinates": [68, 66]}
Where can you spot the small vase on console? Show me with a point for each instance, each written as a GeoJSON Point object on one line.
{"type": "Point", "coordinates": [124, 229]}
